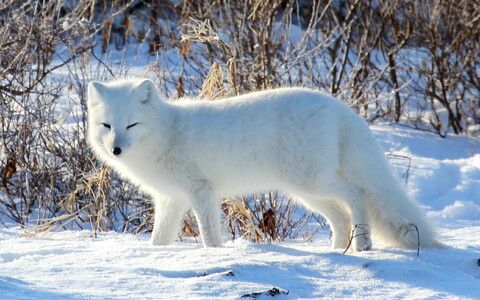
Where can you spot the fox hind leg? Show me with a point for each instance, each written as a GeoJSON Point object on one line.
{"type": "Point", "coordinates": [338, 218]}
{"type": "Point", "coordinates": [340, 223]}
{"type": "Point", "coordinates": [356, 202]}
{"type": "Point", "coordinates": [347, 214]}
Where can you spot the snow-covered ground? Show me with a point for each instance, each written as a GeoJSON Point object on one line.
{"type": "Point", "coordinates": [444, 176]}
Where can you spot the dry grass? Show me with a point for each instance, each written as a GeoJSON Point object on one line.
{"type": "Point", "coordinates": [269, 217]}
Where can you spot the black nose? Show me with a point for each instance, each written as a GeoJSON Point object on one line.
{"type": "Point", "coordinates": [117, 151]}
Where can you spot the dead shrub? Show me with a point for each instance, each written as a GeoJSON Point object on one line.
{"type": "Point", "coordinates": [400, 61]}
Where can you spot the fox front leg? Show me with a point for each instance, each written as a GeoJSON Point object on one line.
{"type": "Point", "coordinates": [168, 217]}
{"type": "Point", "coordinates": [206, 207]}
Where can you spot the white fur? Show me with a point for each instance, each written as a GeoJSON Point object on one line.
{"type": "Point", "coordinates": [192, 153]}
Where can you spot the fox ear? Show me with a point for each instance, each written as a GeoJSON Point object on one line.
{"type": "Point", "coordinates": [145, 91]}
{"type": "Point", "coordinates": [95, 92]}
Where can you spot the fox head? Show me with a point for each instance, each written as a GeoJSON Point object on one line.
{"type": "Point", "coordinates": [120, 115]}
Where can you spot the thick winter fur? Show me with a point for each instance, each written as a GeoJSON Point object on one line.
{"type": "Point", "coordinates": [192, 153]}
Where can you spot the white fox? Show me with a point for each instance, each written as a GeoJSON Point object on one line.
{"type": "Point", "coordinates": [191, 154]}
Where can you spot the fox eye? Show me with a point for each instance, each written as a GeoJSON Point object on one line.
{"type": "Point", "coordinates": [131, 125]}
{"type": "Point", "coordinates": [106, 125]}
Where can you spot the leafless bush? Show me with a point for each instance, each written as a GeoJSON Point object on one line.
{"type": "Point", "coordinates": [401, 61]}
{"type": "Point", "coordinates": [47, 171]}
{"type": "Point", "coordinates": [423, 54]}
{"type": "Point", "coordinates": [449, 77]}
{"type": "Point", "coordinates": [30, 38]}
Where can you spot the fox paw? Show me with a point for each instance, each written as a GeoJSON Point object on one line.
{"type": "Point", "coordinates": [361, 237]}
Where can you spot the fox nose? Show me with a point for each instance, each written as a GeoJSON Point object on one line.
{"type": "Point", "coordinates": [117, 151]}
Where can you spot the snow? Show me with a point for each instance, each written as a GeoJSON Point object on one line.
{"type": "Point", "coordinates": [443, 175]}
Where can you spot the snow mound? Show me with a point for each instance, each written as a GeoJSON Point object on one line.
{"type": "Point", "coordinates": [460, 210]}
{"type": "Point", "coordinates": [442, 174]}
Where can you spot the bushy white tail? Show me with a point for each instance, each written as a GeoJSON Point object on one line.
{"type": "Point", "coordinates": [396, 219]}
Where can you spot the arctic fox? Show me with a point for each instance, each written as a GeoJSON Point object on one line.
{"type": "Point", "coordinates": [191, 154]}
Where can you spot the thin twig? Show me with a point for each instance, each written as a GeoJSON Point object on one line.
{"type": "Point", "coordinates": [352, 235]}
